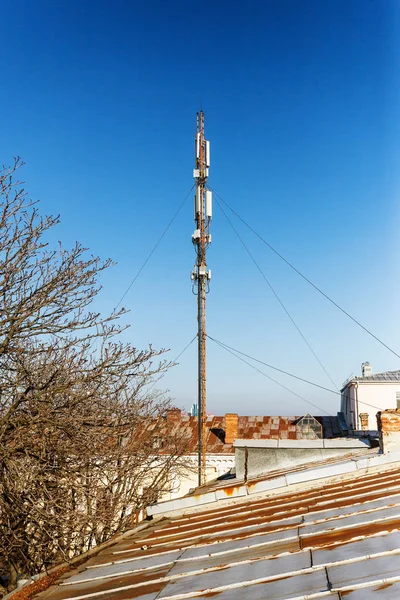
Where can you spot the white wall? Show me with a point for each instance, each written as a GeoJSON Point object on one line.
{"type": "Point", "coordinates": [348, 405]}
{"type": "Point", "coordinates": [216, 465]}
{"type": "Point", "coordinates": [369, 397]}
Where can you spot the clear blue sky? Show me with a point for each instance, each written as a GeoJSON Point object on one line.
{"type": "Point", "coordinates": [301, 100]}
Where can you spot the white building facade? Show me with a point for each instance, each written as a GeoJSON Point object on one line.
{"type": "Point", "coordinates": [362, 397]}
{"type": "Point", "coordinates": [185, 482]}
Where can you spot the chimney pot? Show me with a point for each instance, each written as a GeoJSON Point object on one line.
{"type": "Point", "coordinates": [173, 415]}
{"type": "Point", "coordinates": [366, 369]}
{"type": "Point", "coordinates": [364, 421]}
{"type": "Point", "coordinates": [389, 430]}
{"type": "Point", "coordinates": [231, 427]}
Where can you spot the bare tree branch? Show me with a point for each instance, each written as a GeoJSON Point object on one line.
{"type": "Point", "coordinates": [78, 431]}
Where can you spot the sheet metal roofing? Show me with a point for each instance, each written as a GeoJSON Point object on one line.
{"type": "Point", "coordinates": [258, 428]}
{"type": "Point", "coordinates": [391, 376]}
{"type": "Point", "coordinates": [334, 538]}
{"type": "Point", "coordinates": [278, 480]}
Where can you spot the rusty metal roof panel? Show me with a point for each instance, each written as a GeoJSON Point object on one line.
{"type": "Point", "coordinates": [368, 546]}
{"type": "Point", "coordinates": [279, 589]}
{"type": "Point", "coordinates": [229, 575]}
{"type": "Point", "coordinates": [370, 570]}
{"type": "Point", "coordinates": [329, 537]}
{"type": "Point", "coordinates": [382, 591]}
{"type": "Point", "coordinates": [356, 519]}
{"type": "Point", "coordinates": [373, 505]}
{"type": "Point", "coordinates": [124, 567]}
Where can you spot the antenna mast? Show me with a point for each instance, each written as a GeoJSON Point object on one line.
{"type": "Point", "coordinates": [200, 276]}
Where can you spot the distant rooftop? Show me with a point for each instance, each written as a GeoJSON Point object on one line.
{"type": "Point", "coordinates": [255, 428]}
{"type": "Point", "coordinates": [368, 375]}
{"type": "Point", "coordinates": [385, 376]}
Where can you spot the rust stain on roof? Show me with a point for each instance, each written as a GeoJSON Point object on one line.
{"type": "Point", "coordinates": [254, 538]}
{"type": "Point", "coordinates": [333, 495]}
{"type": "Point", "coordinates": [144, 581]}
{"type": "Point", "coordinates": [384, 586]}
{"type": "Point", "coordinates": [229, 491]}
{"type": "Point", "coordinates": [342, 536]}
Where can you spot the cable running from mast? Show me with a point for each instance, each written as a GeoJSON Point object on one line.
{"type": "Point", "coordinates": [173, 363]}
{"type": "Point", "coordinates": [155, 247]}
{"type": "Point", "coordinates": [306, 278]}
{"type": "Point", "coordinates": [238, 352]}
{"type": "Point", "coordinates": [276, 295]}
{"type": "Point", "coordinates": [321, 387]}
{"type": "Point", "coordinates": [224, 347]}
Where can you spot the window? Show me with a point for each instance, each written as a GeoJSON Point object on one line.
{"type": "Point", "coordinates": [397, 400]}
{"type": "Point", "coordinates": [308, 428]}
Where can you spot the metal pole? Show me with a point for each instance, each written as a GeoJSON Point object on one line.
{"type": "Point", "coordinates": [201, 276]}
{"type": "Point", "coordinates": [202, 390]}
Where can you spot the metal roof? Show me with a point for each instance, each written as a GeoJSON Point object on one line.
{"type": "Point", "coordinates": [333, 538]}
{"type": "Point", "coordinates": [279, 480]}
{"type": "Point", "coordinates": [390, 376]}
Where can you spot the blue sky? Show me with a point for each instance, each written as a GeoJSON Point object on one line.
{"type": "Point", "coordinates": [301, 100]}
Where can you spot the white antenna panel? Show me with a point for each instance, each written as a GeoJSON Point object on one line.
{"type": "Point", "coordinates": [197, 202]}
{"type": "Point", "coordinates": [207, 154]}
{"type": "Point", "coordinates": [209, 204]}
{"type": "Point", "coordinates": [198, 145]}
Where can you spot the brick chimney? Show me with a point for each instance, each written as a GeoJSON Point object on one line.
{"type": "Point", "coordinates": [364, 421]}
{"type": "Point", "coordinates": [173, 415]}
{"type": "Point", "coordinates": [231, 427]}
{"type": "Point", "coordinates": [389, 430]}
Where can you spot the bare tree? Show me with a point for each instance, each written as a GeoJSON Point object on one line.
{"type": "Point", "coordinates": [78, 427]}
